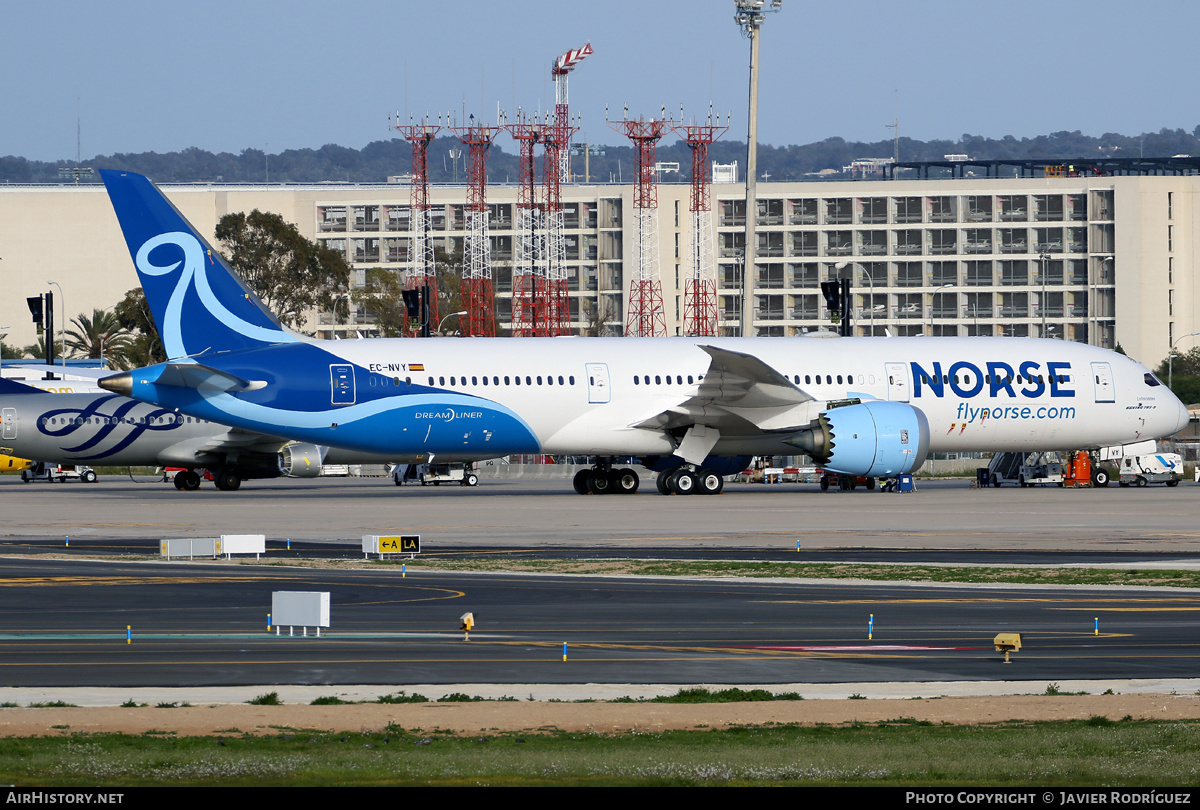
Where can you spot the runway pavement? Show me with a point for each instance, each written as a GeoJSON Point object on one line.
{"type": "Point", "coordinates": [948, 515]}
{"type": "Point", "coordinates": [205, 625]}
{"type": "Point", "coordinates": [63, 621]}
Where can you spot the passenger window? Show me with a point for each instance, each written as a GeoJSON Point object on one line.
{"type": "Point", "coordinates": [560, 379]}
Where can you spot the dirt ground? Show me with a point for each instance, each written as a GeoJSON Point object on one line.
{"type": "Point", "coordinates": [532, 717]}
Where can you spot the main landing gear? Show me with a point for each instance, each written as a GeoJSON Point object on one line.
{"type": "Point", "coordinates": [690, 482]}
{"type": "Point", "coordinates": [604, 479]}
{"type": "Point", "coordinates": [187, 480]}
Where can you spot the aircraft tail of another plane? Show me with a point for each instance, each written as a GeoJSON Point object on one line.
{"type": "Point", "coordinates": [198, 302]}
{"type": "Point", "coordinates": [8, 386]}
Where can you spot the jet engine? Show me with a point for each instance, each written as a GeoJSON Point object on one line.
{"type": "Point", "coordinates": [300, 460]}
{"type": "Point", "coordinates": [874, 438]}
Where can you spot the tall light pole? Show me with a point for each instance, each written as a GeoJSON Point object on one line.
{"type": "Point", "coordinates": [2, 337]}
{"type": "Point", "coordinates": [749, 15]}
{"type": "Point", "coordinates": [1171, 356]}
{"type": "Point", "coordinates": [62, 326]}
{"type": "Point", "coordinates": [1045, 257]}
{"type": "Point", "coordinates": [448, 317]}
{"type": "Point", "coordinates": [931, 304]}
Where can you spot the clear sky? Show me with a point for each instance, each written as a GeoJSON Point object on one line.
{"type": "Point", "coordinates": [224, 75]}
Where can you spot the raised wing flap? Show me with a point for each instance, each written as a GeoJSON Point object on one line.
{"type": "Point", "coordinates": [739, 394]}
{"type": "Point", "coordinates": [744, 381]}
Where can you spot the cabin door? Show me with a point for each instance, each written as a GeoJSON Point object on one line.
{"type": "Point", "coordinates": [897, 377]}
{"type": "Point", "coordinates": [8, 418]}
{"type": "Point", "coordinates": [1102, 379]}
{"type": "Point", "coordinates": [597, 376]}
{"type": "Point", "coordinates": [341, 382]}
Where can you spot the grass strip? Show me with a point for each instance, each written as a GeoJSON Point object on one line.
{"type": "Point", "coordinates": [901, 752]}
{"type": "Point", "coordinates": [1030, 575]}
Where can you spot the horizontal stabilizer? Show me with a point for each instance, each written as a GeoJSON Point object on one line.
{"type": "Point", "coordinates": [183, 375]}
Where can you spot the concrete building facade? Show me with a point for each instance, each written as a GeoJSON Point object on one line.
{"type": "Point", "coordinates": [1101, 260]}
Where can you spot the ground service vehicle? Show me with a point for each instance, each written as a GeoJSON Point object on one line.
{"type": "Point", "coordinates": [1153, 468]}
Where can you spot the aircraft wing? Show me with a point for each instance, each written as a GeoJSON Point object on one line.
{"type": "Point", "coordinates": [739, 394]}
{"type": "Point", "coordinates": [234, 440]}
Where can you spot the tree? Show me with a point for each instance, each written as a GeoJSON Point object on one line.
{"type": "Point", "coordinates": [382, 295]}
{"type": "Point", "coordinates": [288, 272]}
{"type": "Point", "coordinates": [145, 347]}
{"type": "Point", "coordinates": [1184, 374]}
{"type": "Point", "coordinates": [99, 336]}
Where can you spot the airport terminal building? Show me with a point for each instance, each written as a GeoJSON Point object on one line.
{"type": "Point", "coordinates": [1105, 260]}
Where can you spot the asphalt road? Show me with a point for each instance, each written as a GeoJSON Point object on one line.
{"type": "Point", "coordinates": [946, 516]}
{"type": "Point", "coordinates": [62, 622]}
{"type": "Point", "coordinates": [205, 625]}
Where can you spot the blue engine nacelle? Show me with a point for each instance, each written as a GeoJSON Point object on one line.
{"type": "Point", "coordinates": [874, 438]}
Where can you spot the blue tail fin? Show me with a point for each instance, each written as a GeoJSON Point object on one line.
{"type": "Point", "coordinates": [8, 386]}
{"type": "Point", "coordinates": [198, 302]}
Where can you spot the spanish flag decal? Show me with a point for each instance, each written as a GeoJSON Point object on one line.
{"type": "Point", "coordinates": [416, 366]}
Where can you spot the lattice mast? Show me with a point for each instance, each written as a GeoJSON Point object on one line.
{"type": "Point", "coordinates": [478, 297]}
{"type": "Point", "coordinates": [556, 309]}
{"type": "Point", "coordinates": [700, 286]}
{"type": "Point", "coordinates": [528, 279]}
{"type": "Point", "coordinates": [559, 71]}
{"type": "Point", "coordinates": [645, 317]}
{"type": "Point", "coordinates": [424, 269]}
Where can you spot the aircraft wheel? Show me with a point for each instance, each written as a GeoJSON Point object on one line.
{"type": "Point", "coordinates": [1141, 481]}
{"type": "Point", "coordinates": [625, 481]}
{"type": "Point", "coordinates": [684, 482]}
{"type": "Point", "coordinates": [1100, 477]}
{"type": "Point", "coordinates": [228, 481]}
{"type": "Point", "coordinates": [580, 482]}
{"type": "Point", "coordinates": [192, 482]}
{"type": "Point", "coordinates": [709, 483]}
{"type": "Point", "coordinates": [471, 480]}
{"type": "Point", "coordinates": [663, 482]}
{"type": "Point", "coordinates": [178, 480]}
{"type": "Point", "coordinates": [824, 483]}
{"type": "Point", "coordinates": [599, 483]}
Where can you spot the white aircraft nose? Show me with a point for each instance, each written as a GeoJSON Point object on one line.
{"type": "Point", "coordinates": [1182, 417]}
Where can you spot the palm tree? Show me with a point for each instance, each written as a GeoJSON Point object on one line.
{"type": "Point", "coordinates": [100, 336]}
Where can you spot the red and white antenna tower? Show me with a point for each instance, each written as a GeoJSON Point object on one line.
{"type": "Point", "coordinates": [528, 279]}
{"type": "Point", "coordinates": [645, 317]}
{"type": "Point", "coordinates": [424, 271]}
{"type": "Point", "coordinates": [700, 286]}
{"type": "Point", "coordinates": [478, 298]}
